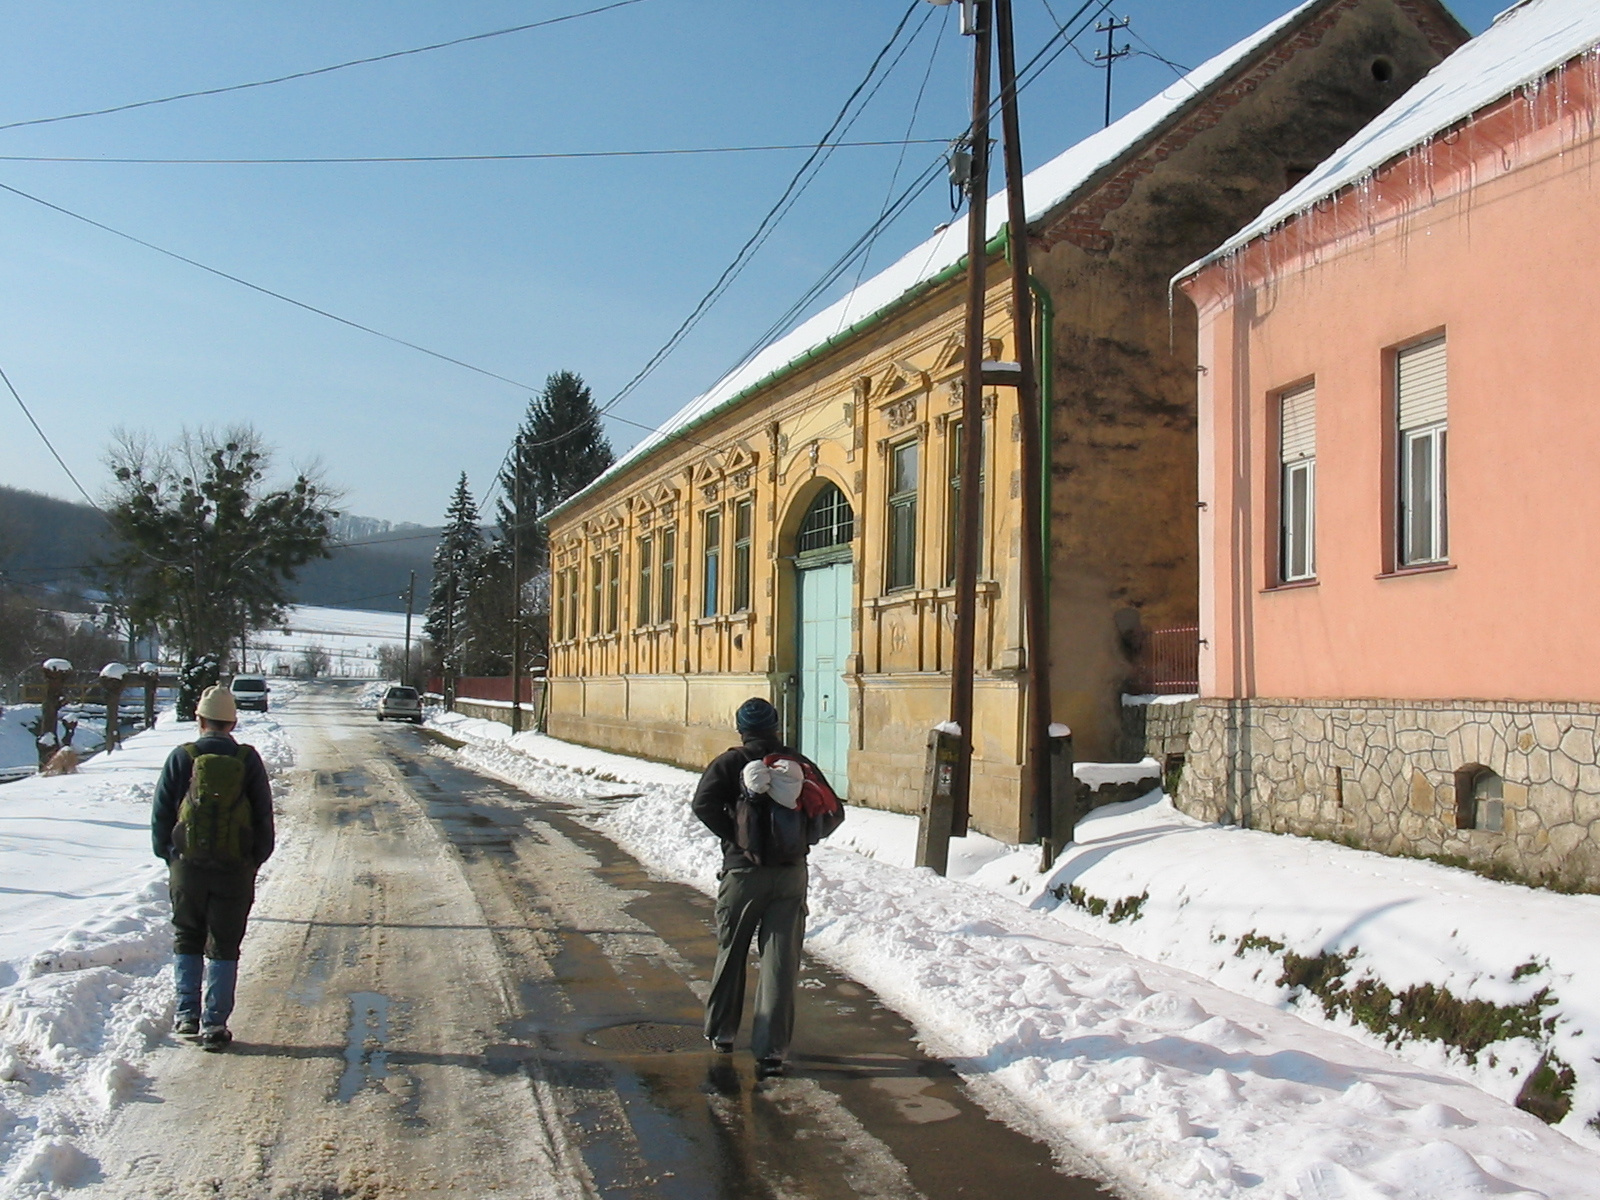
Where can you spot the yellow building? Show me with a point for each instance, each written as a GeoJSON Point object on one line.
{"type": "Point", "coordinates": [790, 532]}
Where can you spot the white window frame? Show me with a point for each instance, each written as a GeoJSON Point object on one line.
{"type": "Point", "coordinates": [1424, 523]}
{"type": "Point", "coordinates": [1421, 450]}
{"type": "Point", "coordinates": [1297, 484]}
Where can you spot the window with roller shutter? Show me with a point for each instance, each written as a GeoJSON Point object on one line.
{"type": "Point", "coordinates": [1297, 483]}
{"type": "Point", "coordinates": [1422, 412]}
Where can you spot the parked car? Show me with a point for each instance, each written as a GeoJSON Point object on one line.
{"type": "Point", "coordinates": [400, 704]}
{"type": "Point", "coordinates": [250, 691]}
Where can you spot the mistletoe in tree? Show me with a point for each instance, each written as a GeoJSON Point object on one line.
{"type": "Point", "coordinates": [206, 549]}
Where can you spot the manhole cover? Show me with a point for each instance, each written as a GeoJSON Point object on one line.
{"type": "Point", "coordinates": [647, 1037]}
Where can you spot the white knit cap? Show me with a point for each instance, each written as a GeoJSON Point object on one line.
{"type": "Point", "coordinates": [216, 704]}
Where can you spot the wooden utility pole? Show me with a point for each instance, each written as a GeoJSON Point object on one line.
{"type": "Point", "coordinates": [971, 469]}
{"type": "Point", "coordinates": [1110, 54]}
{"type": "Point", "coordinates": [516, 591]}
{"type": "Point", "coordinates": [1036, 776]}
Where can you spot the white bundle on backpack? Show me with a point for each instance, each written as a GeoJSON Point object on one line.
{"type": "Point", "coordinates": [782, 781]}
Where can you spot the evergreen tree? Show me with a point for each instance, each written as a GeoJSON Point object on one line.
{"type": "Point", "coordinates": [559, 450]}
{"type": "Point", "coordinates": [457, 566]}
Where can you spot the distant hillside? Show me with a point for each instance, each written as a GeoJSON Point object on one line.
{"type": "Point", "coordinates": [49, 544]}
{"type": "Point", "coordinates": [374, 575]}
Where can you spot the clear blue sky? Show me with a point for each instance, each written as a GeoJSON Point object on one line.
{"type": "Point", "coordinates": [522, 268]}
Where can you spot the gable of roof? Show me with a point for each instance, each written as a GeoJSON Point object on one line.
{"type": "Point", "coordinates": [1105, 159]}
{"type": "Point", "coordinates": [1525, 43]}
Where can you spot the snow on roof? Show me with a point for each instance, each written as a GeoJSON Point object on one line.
{"type": "Point", "coordinates": [1044, 189]}
{"type": "Point", "coordinates": [1525, 43]}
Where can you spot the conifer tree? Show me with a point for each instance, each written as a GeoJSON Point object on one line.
{"type": "Point", "coordinates": [558, 451]}
{"type": "Point", "coordinates": [457, 567]}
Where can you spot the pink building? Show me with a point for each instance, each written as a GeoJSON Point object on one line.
{"type": "Point", "coordinates": [1399, 504]}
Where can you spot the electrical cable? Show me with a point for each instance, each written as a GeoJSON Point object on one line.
{"type": "Point", "coordinates": [741, 257]}
{"type": "Point", "coordinates": [918, 186]}
{"type": "Point", "coordinates": [923, 181]}
{"type": "Point", "coordinates": [50, 446]}
{"type": "Point", "coordinates": [355, 62]}
{"type": "Point", "coordinates": [448, 158]}
{"type": "Point", "coordinates": [265, 291]}
{"type": "Point", "coordinates": [900, 160]}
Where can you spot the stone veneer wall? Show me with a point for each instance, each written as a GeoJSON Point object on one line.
{"type": "Point", "coordinates": [1155, 727]}
{"type": "Point", "coordinates": [1382, 774]}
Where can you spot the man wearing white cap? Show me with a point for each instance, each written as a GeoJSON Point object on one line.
{"type": "Point", "coordinates": [212, 823]}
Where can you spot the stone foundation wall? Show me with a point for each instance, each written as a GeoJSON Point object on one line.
{"type": "Point", "coordinates": [1155, 727]}
{"type": "Point", "coordinates": [1404, 777]}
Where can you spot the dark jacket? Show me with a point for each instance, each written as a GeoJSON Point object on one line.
{"type": "Point", "coordinates": [716, 799]}
{"type": "Point", "coordinates": [174, 785]}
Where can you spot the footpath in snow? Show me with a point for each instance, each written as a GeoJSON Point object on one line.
{"type": "Point", "coordinates": [1205, 1011]}
{"type": "Point", "coordinates": [85, 951]}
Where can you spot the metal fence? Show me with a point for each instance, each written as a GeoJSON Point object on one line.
{"type": "Point", "coordinates": [1169, 661]}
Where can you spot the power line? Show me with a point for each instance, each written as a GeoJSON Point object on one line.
{"type": "Point", "coordinates": [1029, 73]}
{"type": "Point", "coordinates": [265, 291]}
{"type": "Point", "coordinates": [771, 217]}
{"type": "Point", "coordinates": [448, 158]}
{"type": "Point", "coordinates": [746, 251]}
{"type": "Point", "coordinates": [50, 446]}
{"type": "Point", "coordinates": [355, 62]}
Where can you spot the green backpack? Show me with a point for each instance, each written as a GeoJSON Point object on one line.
{"type": "Point", "coordinates": [214, 827]}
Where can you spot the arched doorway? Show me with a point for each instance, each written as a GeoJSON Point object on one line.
{"type": "Point", "coordinates": [825, 597]}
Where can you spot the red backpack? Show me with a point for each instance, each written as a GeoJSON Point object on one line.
{"type": "Point", "coordinates": [818, 801]}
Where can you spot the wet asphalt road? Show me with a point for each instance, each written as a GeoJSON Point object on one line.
{"type": "Point", "coordinates": [457, 987]}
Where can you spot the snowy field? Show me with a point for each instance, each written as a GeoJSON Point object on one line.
{"type": "Point", "coordinates": [351, 637]}
{"type": "Point", "coordinates": [1128, 1004]}
{"type": "Point", "coordinates": [85, 985]}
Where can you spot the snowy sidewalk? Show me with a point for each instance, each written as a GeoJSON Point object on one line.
{"type": "Point", "coordinates": [85, 990]}
{"type": "Point", "coordinates": [1160, 1042]}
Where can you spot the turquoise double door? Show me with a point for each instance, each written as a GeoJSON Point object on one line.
{"type": "Point", "coordinates": [825, 607]}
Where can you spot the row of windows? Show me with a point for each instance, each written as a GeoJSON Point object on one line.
{"type": "Point", "coordinates": [829, 521]}
{"type": "Point", "coordinates": [1421, 424]}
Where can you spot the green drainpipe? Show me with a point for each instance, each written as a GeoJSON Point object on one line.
{"type": "Point", "coordinates": [1045, 312]}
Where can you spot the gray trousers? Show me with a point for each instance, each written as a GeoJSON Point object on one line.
{"type": "Point", "coordinates": [768, 904]}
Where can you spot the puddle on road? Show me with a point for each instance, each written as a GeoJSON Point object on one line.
{"type": "Point", "coordinates": [366, 1053]}
{"type": "Point", "coordinates": [307, 990]}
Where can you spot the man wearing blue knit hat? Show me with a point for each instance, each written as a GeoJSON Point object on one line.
{"type": "Point", "coordinates": [769, 804]}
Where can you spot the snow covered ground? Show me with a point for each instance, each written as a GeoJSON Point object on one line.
{"type": "Point", "coordinates": [85, 985]}
{"type": "Point", "coordinates": [1129, 1003]}
{"type": "Point", "coordinates": [351, 637]}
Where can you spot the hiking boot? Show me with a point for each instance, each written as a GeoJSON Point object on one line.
{"type": "Point", "coordinates": [767, 1068]}
{"type": "Point", "coordinates": [186, 1026]}
{"type": "Point", "coordinates": [215, 1037]}
{"type": "Point", "coordinates": [721, 1045]}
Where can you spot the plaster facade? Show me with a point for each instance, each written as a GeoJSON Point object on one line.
{"type": "Point", "coordinates": [1481, 244]}
{"type": "Point", "coordinates": [1119, 376]}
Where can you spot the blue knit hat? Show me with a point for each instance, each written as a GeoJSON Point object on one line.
{"type": "Point", "coordinates": [756, 715]}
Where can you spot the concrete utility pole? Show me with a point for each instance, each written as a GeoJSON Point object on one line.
{"type": "Point", "coordinates": [1110, 54]}
{"type": "Point", "coordinates": [449, 662]}
{"type": "Point", "coordinates": [411, 592]}
{"type": "Point", "coordinates": [516, 592]}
